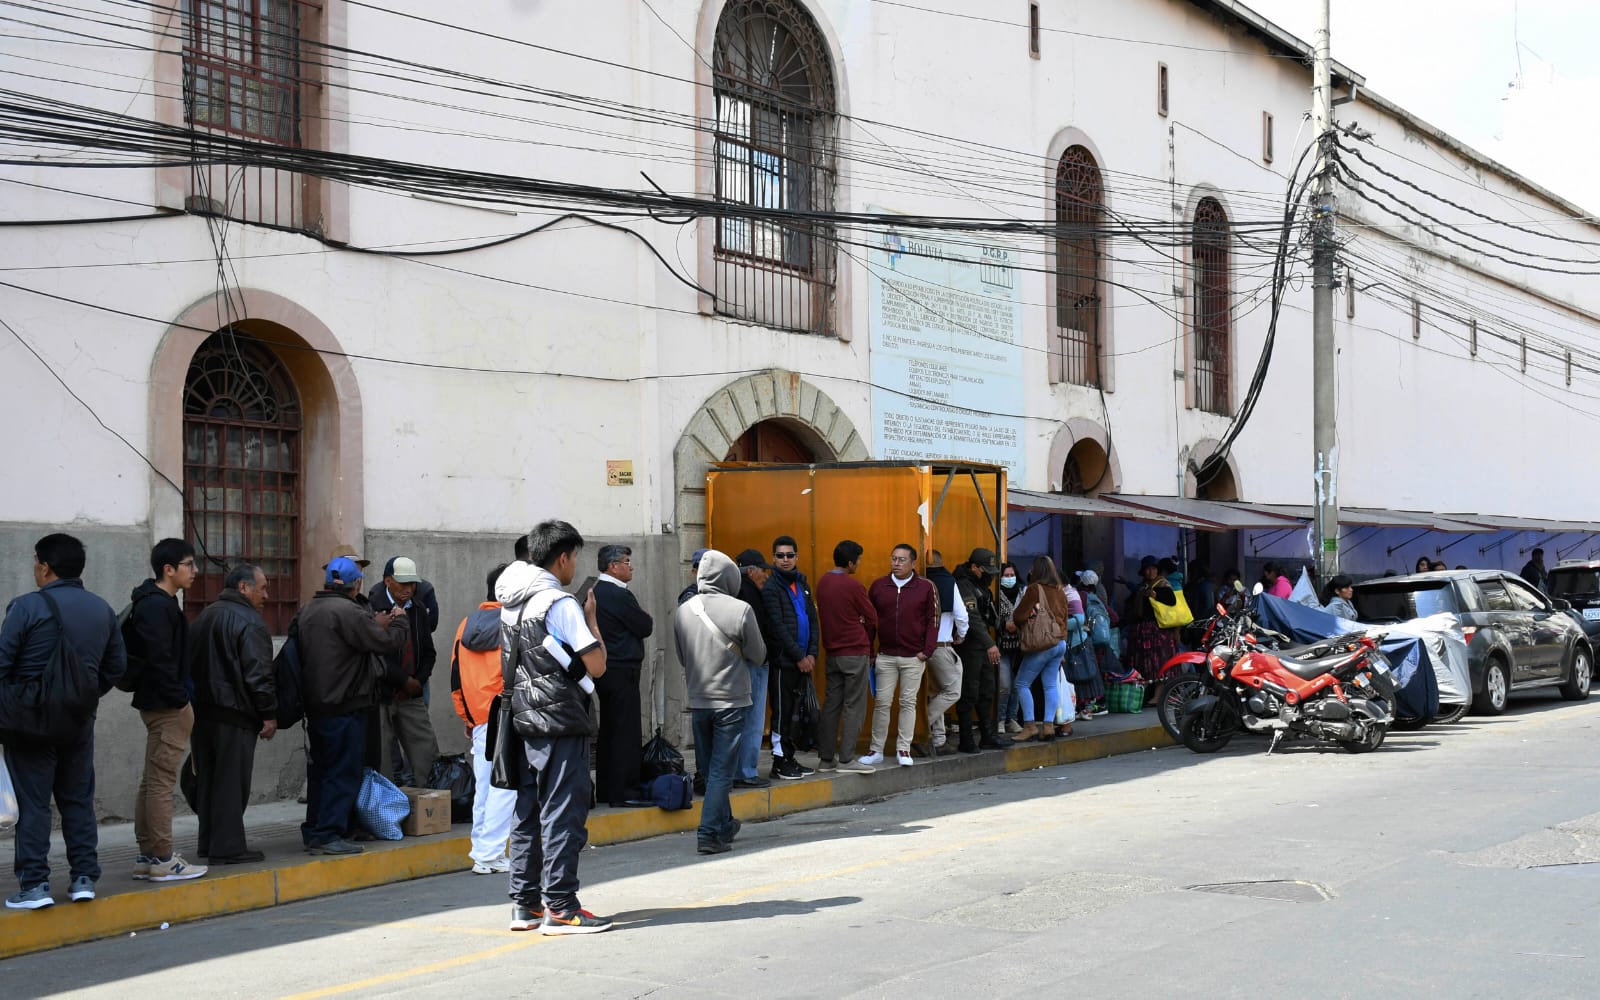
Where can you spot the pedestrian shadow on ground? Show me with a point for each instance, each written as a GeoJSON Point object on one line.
{"type": "Point", "coordinates": [716, 913]}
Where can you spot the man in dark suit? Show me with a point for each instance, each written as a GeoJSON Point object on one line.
{"type": "Point", "coordinates": [624, 626]}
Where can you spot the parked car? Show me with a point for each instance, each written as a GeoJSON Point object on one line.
{"type": "Point", "coordinates": [1517, 639]}
{"type": "Point", "coordinates": [1578, 583]}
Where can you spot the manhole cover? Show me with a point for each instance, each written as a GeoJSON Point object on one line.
{"type": "Point", "coordinates": [1284, 891]}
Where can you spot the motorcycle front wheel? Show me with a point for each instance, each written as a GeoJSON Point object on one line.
{"type": "Point", "coordinates": [1372, 741]}
{"type": "Point", "coordinates": [1173, 695]}
{"type": "Point", "coordinates": [1203, 735]}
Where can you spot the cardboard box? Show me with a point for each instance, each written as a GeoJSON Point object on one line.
{"type": "Point", "coordinates": [430, 812]}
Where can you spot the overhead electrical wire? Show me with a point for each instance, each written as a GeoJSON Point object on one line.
{"type": "Point", "coordinates": [837, 146]}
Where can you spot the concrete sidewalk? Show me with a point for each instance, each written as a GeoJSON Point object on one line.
{"type": "Point", "coordinates": [288, 874]}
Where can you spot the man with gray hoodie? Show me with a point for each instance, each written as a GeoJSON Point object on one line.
{"type": "Point", "coordinates": [716, 633]}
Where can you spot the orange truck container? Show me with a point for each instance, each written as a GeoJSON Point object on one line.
{"type": "Point", "coordinates": [953, 507]}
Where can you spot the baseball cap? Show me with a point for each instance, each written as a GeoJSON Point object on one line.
{"type": "Point", "coordinates": [1089, 577]}
{"type": "Point", "coordinates": [985, 558]}
{"type": "Point", "coordinates": [402, 569]}
{"type": "Point", "coordinates": [751, 559]}
{"type": "Point", "coordinates": [342, 570]}
{"type": "Point", "coordinates": [350, 552]}
{"type": "Point", "coordinates": [694, 560]}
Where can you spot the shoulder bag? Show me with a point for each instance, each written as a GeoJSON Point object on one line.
{"type": "Point", "coordinates": [1171, 615]}
{"type": "Point", "coordinates": [501, 745]}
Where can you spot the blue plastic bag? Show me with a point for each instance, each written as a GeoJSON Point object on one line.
{"type": "Point", "coordinates": [380, 806]}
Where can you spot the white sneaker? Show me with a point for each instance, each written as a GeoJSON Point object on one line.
{"type": "Point", "coordinates": [500, 867]}
{"type": "Point", "coordinates": [856, 766]}
{"type": "Point", "coordinates": [872, 758]}
{"type": "Point", "coordinates": [904, 759]}
{"type": "Point", "coordinates": [1012, 727]}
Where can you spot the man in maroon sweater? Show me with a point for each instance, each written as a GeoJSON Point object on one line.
{"type": "Point", "coordinates": [908, 632]}
{"type": "Point", "coordinates": [848, 624]}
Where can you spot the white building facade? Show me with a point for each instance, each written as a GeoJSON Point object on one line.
{"type": "Point", "coordinates": [368, 389]}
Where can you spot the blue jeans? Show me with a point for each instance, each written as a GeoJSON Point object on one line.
{"type": "Point", "coordinates": [1042, 666]}
{"type": "Point", "coordinates": [1010, 662]}
{"type": "Point", "coordinates": [749, 759]}
{"type": "Point", "coordinates": [718, 732]}
{"type": "Point", "coordinates": [333, 776]}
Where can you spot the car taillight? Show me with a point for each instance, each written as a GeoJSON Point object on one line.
{"type": "Point", "coordinates": [1467, 632]}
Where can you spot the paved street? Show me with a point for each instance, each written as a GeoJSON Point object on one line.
{"type": "Point", "coordinates": [1420, 863]}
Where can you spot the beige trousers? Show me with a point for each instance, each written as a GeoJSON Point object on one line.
{"type": "Point", "coordinates": [906, 673]}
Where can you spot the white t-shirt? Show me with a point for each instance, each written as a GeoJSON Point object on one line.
{"type": "Point", "coordinates": [953, 622]}
{"type": "Point", "coordinates": [565, 621]}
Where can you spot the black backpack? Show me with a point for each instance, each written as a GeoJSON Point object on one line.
{"type": "Point", "coordinates": [129, 681]}
{"type": "Point", "coordinates": [54, 706]}
{"type": "Point", "coordinates": [286, 673]}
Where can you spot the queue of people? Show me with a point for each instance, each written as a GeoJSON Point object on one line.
{"type": "Point", "coordinates": [980, 647]}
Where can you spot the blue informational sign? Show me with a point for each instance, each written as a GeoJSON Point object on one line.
{"type": "Point", "coordinates": [946, 351]}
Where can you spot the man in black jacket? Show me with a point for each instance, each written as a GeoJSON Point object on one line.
{"type": "Point", "coordinates": [65, 771]}
{"type": "Point", "coordinates": [980, 655]}
{"type": "Point", "coordinates": [157, 634]}
{"type": "Point", "coordinates": [791, 615]}
{"type": "Point", "coordinates": [754, 571]}
{"type": "Point", "coordinates": [403, 709]}
{"type": "Point", "coordinates": [624, 626]}
{"type": "Point", "coordinates": [235, 703]}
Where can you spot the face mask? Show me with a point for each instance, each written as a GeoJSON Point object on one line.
{"type": "Point", "coordinates": [1008, 581]}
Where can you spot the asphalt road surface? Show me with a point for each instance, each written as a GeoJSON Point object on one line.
{"type": "Point", "coordinates": [1458, 861]}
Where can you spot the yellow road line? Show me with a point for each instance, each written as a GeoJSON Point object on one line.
{"type": "Point", "coordinates": [410, 925]}
{"type": "Point", "coordinates": [470, 958]}
{"type": "Point", "coordinates": [904, 857]}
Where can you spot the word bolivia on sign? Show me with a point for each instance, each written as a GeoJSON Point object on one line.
{"type": "Point", "coordinates": [946, 326]}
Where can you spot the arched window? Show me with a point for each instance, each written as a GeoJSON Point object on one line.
{"type": "Point", "coordinates": [1212, 312]}
{"type": "Point", "coordinates": [774, 150]}
{"type": "Point", "coordinates": [241, 471]}
{"type": "Point", "coordinates": [1080, 205]}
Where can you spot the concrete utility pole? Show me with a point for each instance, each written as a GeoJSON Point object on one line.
{"type": "Point", "coordinates": [1324, 358]}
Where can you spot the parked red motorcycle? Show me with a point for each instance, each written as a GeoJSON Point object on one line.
{"type": "Point", "coordinates": [1339, 690]}
{"type": "Point", "coordinates": [1184, 676]}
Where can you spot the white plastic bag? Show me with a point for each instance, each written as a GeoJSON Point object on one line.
{"type": "Point", "coordinates": [8, 798]}
{"type": "Point", "coordinates": [1067, 698]}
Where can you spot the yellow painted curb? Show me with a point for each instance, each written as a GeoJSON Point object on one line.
{"type": "Point", "coordinates": [1113, 744]}
{"type": "Point", "coordinates": [785, 799]}
{"type": "Point", "coordinates": [326, 876]}
{"type": "Point", "coordinates": [23, 932]}
{"type": "Point", "coordinates": [1027, 756]}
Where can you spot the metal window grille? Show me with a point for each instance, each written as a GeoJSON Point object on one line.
{"type": "Point", "coordinates": [241, 471]}
{"type": "Point", "coordinates": [1213, 320]}
{"type": "Point", "coordinates": [243, 75]}
{"type": "Point", "coordinates": [774, 151]}
{"type": "Point", "coordinates": [1080, 207]}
